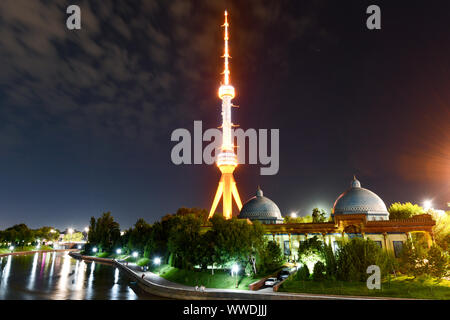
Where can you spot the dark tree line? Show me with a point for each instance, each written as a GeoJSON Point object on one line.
{"type": "Point", "coordinates": [187, 239]}
{"type": "Point", "coordinates": [20, 234]}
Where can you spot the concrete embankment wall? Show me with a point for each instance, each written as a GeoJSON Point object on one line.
{"type": "Point", "coordinates": [174, 292]}
{"type": "Point", "coordinates": [76, 255]}
{"type": "Point", "coordinates": [21, 253]}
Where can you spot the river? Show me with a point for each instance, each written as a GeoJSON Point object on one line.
{"type": "Point", "coordinates": [57, 276]}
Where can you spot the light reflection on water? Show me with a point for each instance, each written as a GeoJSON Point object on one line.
{"type": "Point", "coordinates": [55, 275]}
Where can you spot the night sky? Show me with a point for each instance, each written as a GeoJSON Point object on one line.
{"type": "Point", "coordinates": [86, 116]}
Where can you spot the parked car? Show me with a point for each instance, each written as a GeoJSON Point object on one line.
{"type": "Point", "coordinates": [270, 282]}
{"type": "Point", "coordinates": [284, 274]}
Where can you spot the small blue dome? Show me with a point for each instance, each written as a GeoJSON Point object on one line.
{"type": "Point", "coordinates": [357, 200]}
{"type": "Point", "coordinates": [262, 209]}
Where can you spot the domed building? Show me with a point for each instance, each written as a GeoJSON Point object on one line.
{"type": "Point", "coordinates": [357, 200]}
{"type": "Point", "coordinates": [262, 209]}
{"type": "Point", "coordinates": [358, 212]}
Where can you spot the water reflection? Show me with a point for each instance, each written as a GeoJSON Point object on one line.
{"type": "Point", "coordinates": [58, 276]}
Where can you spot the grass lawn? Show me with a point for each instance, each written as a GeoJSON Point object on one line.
{"type": "Point", "coordinates": [25, 248]}
{"type": "Point", "coordinates": [400, 287]}
{"type": "Point", "coordinates": [220, 279]}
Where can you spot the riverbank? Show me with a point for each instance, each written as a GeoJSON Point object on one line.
{"type": "Point", "coordinates": [156, 285]}
{"type": "Point", "coordinates": [20, 253]}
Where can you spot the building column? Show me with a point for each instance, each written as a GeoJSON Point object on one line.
{"type": "Point", "coordinates": [430, 239]}
{"type": "Point", "coordinates": [290, 246]}
{"type": "Point", "coordinates": [363, 235]}
{"type": "Point", "coordinates": [385, 240]}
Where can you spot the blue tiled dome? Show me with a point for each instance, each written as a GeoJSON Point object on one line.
{"type": "Point", "coordinates": [357, 200]}
{"type": "Point", "coordinates": [262, 209]}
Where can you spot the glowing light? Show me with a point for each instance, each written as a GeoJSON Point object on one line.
{"type": "Point", "coordinates": [226, 160]}
{"type": "Point", "coordinates": [70, 230]}
{"type": "Point", "coordinates": [234, 269]}
{"type": "Point", "coordinates": [122, 233]}
{"type": "Point", "coordinates": [135, 254]}
{"type": "Point", "coordinates": [11, 248]}
{"type": "Point", "coordinates": [94, 249]}
{"type": "Point", "coordinates": [119, 251]}
{"type": "Point", "coordinates": [157, 261]}
{"type": "Point", "coordinates": [86, 229]}
{"type": "Point", "coordinates": [79, 246]}
{"type": "Point", "coordinates": [293, 215]}
{"type": "Point", "coordinates": [427, 205]}
{"type": "Point", "coordinates": [52, 231]}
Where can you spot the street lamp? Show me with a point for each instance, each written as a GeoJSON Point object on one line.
{"type": "Point", "coordinates": [94, 249]}
{"type": "Point", "coordinates": [157, 261]}
{"type": "Point", "coordinates": [11, 248]}
{"type": "Point", "coordinates": [135, 254]}
{"type": "Point", "coordinates": [86, 229]}
{"type": "Point", "coordinates": [119, 251]}
{"type": "Point", "coordinates": [70, 231]}
{"type": "Point", "coordinates": [427, 205]}
{"type": "Point", "coordinates": [234, 271]}
{"type": "Point", "coordinates": [293, 215]}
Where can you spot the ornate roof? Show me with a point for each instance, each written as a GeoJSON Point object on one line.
{"type": "Point", "coordinates": [260, 208]}
{"type": "Point", "coordinates": [359, 200]}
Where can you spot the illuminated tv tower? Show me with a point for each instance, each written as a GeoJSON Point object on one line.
{"type": "Point", "coordinates": [226, 159]}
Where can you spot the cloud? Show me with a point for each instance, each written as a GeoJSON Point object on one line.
{"type": "Point", "coordinates": [134, 68]}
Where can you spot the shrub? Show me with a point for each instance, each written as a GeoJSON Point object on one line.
{"type": "Point", "coordinates": [438, 264]}
{"type": "Point", "coordinates": [319, 271]}
{"type": "Point", "coordinates": [330, 262]}
{"type": "Point", "coordinates": [143, 262]}
{"type": "Point", "coordinates": [355, 256]}
{"type": "Point", "coordinates": [302, 273]}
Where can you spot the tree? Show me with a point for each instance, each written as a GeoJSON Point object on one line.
{"type": "Point", "coordinates": [441, 230]}
{"type": "Point", "coordinates": [305, 219]}
{"type": "Point", "coordinates": [319, 215]}
{"type": "Point", "coordinates": [77, 236]}
{"type": "Point", "coordinates": [302, 273]}
{"type": "Point", "coordinates": [406, 210]}
{"type": "Point", "coordinates": [319, 271]}
{"type": "Point", "coordinates": [19, 234]}
{"type": "Point", "coordinates": [105, 232]}
{"type": "Point", "coordinates": [237, 241]}
{"type": "Point", "coordinates": [46, 233]}
{"type": "Point", "coordinates": [355, 256]}
{"type": "Point", "coordinates": [136, 238]}
{"type": "Point", "coordinates": [271, 257]}
{"type": "Point", "coordinates": [184, 239]}
{"type": "Point", "coordinates": [438, 263]}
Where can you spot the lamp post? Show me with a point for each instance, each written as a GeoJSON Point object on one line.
{"type": "Point", "coordinates": [135, 254]}
{"type": "Point", "coordinates": [157, 261]}
{"type": "Point", "coordinates": [234, 271]}
{"type": "Point", "coordinates": [427, 205]}
{"type": "Point", "coordinates": [70, 231]}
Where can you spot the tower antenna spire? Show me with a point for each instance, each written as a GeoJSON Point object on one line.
{"type": "Point", "coordinates": [226, 55]}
